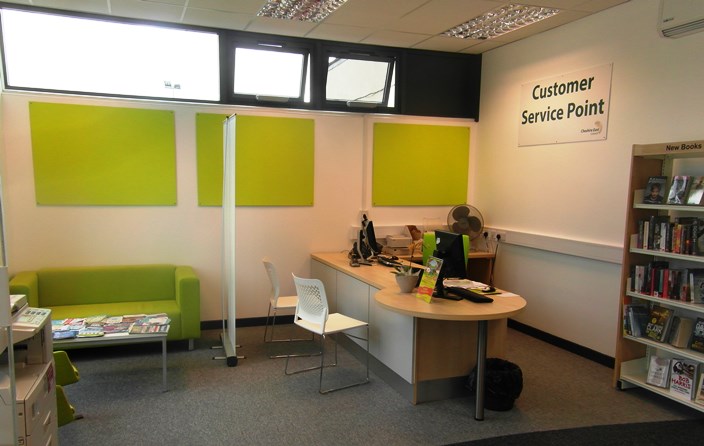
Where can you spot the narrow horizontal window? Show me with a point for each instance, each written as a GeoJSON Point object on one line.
{"type": "Point", "coordinates": [272, 73]}
{"type": "Point", "coordinates": [55, 52]}
{"type": "Point", "coordinates": [360, 82]}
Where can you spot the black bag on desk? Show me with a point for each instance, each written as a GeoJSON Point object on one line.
{"type": "Point", "coordinates": [504, 384]}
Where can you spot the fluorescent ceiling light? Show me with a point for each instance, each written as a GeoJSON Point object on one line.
{"type": "Point", "coordinates": [303, 10]}
{"type": "Point", "coordinates": [500, 21]}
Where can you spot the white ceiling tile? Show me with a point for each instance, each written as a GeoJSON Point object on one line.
{"type": "Point", "coordinates": [269, 25]}
{"type": "Point", "coordinates": [239, 6]}
{"type": "Point", "coordinates": [339, 33]}
{"type": "Point", "coordinates": [92, 6]}
{"type": "Point", "coordinates": [216, 19]}
{"type": "Point", "coordinates": [394, 38]}
{"type": "Point", "coordinates": [147, 10]}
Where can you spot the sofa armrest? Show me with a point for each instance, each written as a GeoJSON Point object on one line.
{"type": "Point", "coordinates": [26, 283]}
{"type": "Point", "coordinates": [188, 299]}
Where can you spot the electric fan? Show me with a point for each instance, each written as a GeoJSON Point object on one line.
{"type": "Point", "coordinates": [466, 219]}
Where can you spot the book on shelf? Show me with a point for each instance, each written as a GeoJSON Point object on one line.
{"type": "Point", "coordinates": [659, 322]}
{"type": "Point", "coordinates": [636, 319]}
{"type": "Point", "coordinates": [658, 372]}
{"type": "Point", "coordinates": [696, 342]}
{"type": "Point", "coordinates": [696, 285]}
{"type": "Point", "coordinates": [655, 190]}
{"type": "Point", "coordinates": [696, 192]}
{"type": "Point", "coordinates": [681, 331]}
{"type": "Point", "coordinates": [678, 189]}
{"type": "Point", "coordinates": [699, 396]}
{"type": "Point", "coordinates": [683, 373]}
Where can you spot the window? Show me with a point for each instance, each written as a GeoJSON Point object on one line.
{"type": "Point", "coordinates": [54, 52]}
{"type": "Point", "coordinates": [360, 81]}
{"type": "Point", "coordinates": [271, 72]}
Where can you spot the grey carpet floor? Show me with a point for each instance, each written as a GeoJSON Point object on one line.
{"type": "Point", "coordinates": [208, 403]}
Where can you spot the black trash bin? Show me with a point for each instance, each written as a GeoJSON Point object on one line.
{"type": "Point", "coordinates": [504, 383]}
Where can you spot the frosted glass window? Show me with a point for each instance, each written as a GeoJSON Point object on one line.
{"type": "Point", "coordinates": [54, 52]}
{"type": "Point", "coordinates": [272, 73]}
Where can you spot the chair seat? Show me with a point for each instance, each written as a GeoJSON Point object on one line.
{"type": "Point", "coordinates": [336, 323]}
{"type": "Point", "coordinates": [285, 302]}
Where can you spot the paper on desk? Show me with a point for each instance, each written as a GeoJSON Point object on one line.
{"type": "Point", "coordinates": [463, 283]}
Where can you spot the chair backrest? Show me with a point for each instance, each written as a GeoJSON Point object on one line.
{"type": "Point", "coordinates": [273, 279]}
{"type": "Point", "coordinates": [312, 303]}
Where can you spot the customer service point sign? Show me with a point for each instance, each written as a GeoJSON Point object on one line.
{"type": "Point", "coordinates": [572, 107]}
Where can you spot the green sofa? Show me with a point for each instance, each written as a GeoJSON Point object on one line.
{"type": "Point", "coordinates": [117, 290]}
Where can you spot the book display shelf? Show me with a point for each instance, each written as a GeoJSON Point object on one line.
{"type": "Point", "coordinates": [663, 267]}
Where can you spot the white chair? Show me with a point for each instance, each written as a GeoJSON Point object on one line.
{"type": "Point", "coordinates": [312, 313]}
{"type": "Point", "coordinates": [276, 303]}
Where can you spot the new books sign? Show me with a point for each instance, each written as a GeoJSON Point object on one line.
{"type": "Point", "coordinates": [568, 108]}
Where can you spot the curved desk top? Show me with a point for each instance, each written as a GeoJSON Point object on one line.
{"type": "Point", "coordinates": [505, 305]}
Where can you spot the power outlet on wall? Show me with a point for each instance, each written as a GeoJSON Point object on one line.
{"type": "Point", "coordinates": [496, 236]}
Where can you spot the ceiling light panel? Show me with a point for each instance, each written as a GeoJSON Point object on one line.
{"type": "Point", "coordinates": [303, 10]}
{"type": "Point", "coordinates": [500, 21]}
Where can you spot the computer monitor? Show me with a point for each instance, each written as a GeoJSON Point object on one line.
{"type": "Point", "coordinates": [450, 248]}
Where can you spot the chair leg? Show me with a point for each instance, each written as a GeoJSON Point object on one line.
{"type": "Point", "coordinates": [266, 325]}
{"type": "Point", "coordinates": [323, 365]}
{"type": "Point", "coordinates": [272, 340]}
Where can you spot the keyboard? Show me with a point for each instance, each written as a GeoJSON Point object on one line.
{"type": "Point", "coordinates": [468, 294]}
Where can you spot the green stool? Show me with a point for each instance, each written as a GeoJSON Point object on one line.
{"type": "Point", "coordinates": [66, 373]}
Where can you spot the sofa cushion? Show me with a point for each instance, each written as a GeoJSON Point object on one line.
{"type": "Point", "coordinates": [105, 285]}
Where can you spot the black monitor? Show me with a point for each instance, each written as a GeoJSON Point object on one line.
{"type": "Point", "coordinates": [450, 248]}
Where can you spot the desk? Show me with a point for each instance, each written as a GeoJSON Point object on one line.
{"type": "Point", "coordinates": [504, 306]}
{"type": "Point", "coordinates": [422, 358]}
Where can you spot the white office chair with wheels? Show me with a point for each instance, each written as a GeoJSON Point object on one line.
{"type": "Point", "coordinates": [276, 303]}
{"type": "Point", "coordinates": [312, 313]}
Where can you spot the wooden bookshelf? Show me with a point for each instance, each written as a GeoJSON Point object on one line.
{"type": "Point", "coordinates": [633, 353]}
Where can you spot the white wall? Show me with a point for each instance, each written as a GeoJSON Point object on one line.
{"type": "Point", "coordinates": [44, 236]}
{"type": "Point", "coordinates": [575, 194]}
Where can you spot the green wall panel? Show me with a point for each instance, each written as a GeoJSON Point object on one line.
{"type": "Point", "coordinates": [274, 160]}
{"type": "Point", "coordinates": [420, 165]}
{"type": "Point", "coordinates": [91, 155]}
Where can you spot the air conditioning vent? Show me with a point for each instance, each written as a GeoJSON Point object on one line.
{"type": "Point", "coordinates": [681, 17]}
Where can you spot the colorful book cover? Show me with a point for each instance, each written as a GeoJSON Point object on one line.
{"type": "Point", "coordinates": [683, 373]}
{"type": "Point", "coordinates": [659, 323]}
{"type": "Point", "coordinates": [429, 279]}
{"type": "Point", "coordinates": [697, 341]}
{"type": "Point", "coordinates": [655, 190]}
